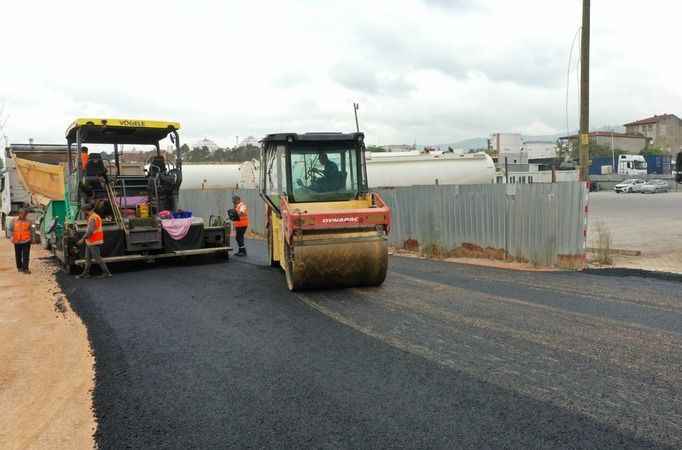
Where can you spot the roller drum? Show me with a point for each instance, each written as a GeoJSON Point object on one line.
{"type": "Point", "coordinates": [337, 261]}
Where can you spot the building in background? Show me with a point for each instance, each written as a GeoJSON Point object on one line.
{"type": "Point", "coordinates": [504, 144]}
{"type": "Point", "coordinates": [205, 142]}
{"type": "Point", "coordinates": [399, 148]}
{"type": "Point", "coordinates": [631, 143]}
{"type": "Point", "coordinates": [664, 131]}
{"type": "Point", "coordinates": [513, 147]}
{"type": "Point", "coordinates": [540, 152]}
{"type": "Point", "coordinates": [249, 141]}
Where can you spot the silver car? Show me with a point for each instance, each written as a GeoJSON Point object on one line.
{"type": "Point", "coordinates": [654, 186]}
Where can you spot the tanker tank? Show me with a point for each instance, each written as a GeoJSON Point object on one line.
{"type": "Point", "coordinates": [210, 176]}
{"type": "Point", "coordinates": [415, 169]}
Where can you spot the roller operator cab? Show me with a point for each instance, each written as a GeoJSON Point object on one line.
{"type": "Point", "coordinates": [138, 202]}
{"type": "Point", "coordinates": [324, 228]}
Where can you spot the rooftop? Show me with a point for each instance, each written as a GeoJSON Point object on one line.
{"type": "Point", "coordinates": [607, 134]}
{"type": "Point", "coordinates": [653, 119]}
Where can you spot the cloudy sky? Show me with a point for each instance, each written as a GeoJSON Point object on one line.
{"type": "Point", "coordinates": [434, 71]}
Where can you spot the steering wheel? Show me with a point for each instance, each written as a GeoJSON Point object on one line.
{"type": "Point", "coordinates": [313, 172]}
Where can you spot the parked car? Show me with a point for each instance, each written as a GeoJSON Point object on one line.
{"type": "Point", "coordinates": [654, 186]}
{"type": "Point", "coordinates": [629, 186]}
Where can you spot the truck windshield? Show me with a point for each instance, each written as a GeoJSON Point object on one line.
{"type": "Point", "coordinates": [639, 165]}
{"type": "Point", "coordinates": [324, 173]}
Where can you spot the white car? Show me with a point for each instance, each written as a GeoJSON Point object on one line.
{"type": "Point", "coordinates": [629, 186]}
{"type": "Point", "coordinates": [654, 186]}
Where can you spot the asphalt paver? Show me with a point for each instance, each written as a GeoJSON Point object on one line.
{"type": "Point", "coordinates": [206, 354]}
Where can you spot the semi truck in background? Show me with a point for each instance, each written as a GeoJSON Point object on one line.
{"type": "Point", "coordinates": [634, 165]}
{"type": "Point", "coordinates": [14, 196]}
{"type": "Point", "coordinates": [16, 191]}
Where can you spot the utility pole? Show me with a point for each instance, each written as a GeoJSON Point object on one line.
{"type": "Point", "coordinates": [613, 153]}
{"type": "Point", "coordinates": [585, 94]}
{"type": "Point", "coordinates": [356, 106]}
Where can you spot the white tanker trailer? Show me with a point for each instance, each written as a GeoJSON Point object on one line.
{"type": "Point", "coordinates": [414, 169]}
{"type": "Point", "coordinates": [210, 176]}
{"type": "Point", "coordinates": [408, 169]}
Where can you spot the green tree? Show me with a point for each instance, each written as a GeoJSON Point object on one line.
{"type": "Point", "coordinates": [653, 151]}
{"type": "Point", "coordinates": [375, 149]}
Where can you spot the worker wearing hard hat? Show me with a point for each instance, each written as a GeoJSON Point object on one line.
{"type": "Point", "coordinates": [93, 239]}
{"type": "Point", "coordinates": [240, 222]}
{"type": "Point", "coordinates": [20, 230]}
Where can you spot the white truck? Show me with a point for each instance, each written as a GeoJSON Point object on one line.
{"type": "Point", "coordinates": [14, 195]}
{"type": "Point", "coordinates": [632, 165]}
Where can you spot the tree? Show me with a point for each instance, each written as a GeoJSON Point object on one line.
{"type": "Point", "coordinates": [375, 149]}
{"type": "Point", "coordinates": [653, 151]}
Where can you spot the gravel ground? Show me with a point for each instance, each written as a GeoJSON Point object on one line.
{"type": "Point", "coordinates": [650, 223]}
{"type": "Point", "coordinates": [442, 356]}
{"type": "Point", "coordinates": [632, 218]}
{"type": "Point", "coordinates": [46, 368]}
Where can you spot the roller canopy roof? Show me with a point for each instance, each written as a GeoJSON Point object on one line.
{"type": "Point", "coordinates": [120, 131]}
{"type": "Point", "coordinates": [313, 137]}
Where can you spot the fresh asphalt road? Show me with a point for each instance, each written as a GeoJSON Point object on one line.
{"type": "Point", "coordinates": [221, 355]}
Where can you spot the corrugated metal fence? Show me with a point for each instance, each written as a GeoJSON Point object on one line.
{"type": "Point", "coordinates": [216, 202]}
{"type": "Point", "coordinates": [540, 223]}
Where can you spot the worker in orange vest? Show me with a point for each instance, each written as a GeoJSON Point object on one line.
{"type": "Point", "coordinates": [93, 239]}
{"type": "Point", "coordinates": [20, 230]}
{"type": "Point", "coordinates": [84, 158]}
{"type": "Point", "coordinates": [241, 224]}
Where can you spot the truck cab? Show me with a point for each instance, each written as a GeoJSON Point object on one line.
{"type": "Point", "coordinates": [632, 165]}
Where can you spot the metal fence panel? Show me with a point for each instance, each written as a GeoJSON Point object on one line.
{"type": "Point", "coordinates": [538, 223]}
{"type": "Point", "coordinates": [216, 202]}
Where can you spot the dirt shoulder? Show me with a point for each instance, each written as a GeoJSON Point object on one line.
{"type": "Point", "coordinates": [46, 368]}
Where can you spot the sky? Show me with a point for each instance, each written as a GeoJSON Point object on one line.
{"type": "Point", "coordinates": [425, 71]}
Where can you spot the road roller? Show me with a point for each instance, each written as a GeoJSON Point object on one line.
{"type": "Point", "coordinates": [325, 229]}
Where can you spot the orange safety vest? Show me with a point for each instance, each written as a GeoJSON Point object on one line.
{"type": "Point", "coordinates": [22, 231]}
{"type": "Point", "coordinates": [243, 216]}
{"type": "Point", "coordinates": [97, 237]}
{"type": "Point", "coordinates": [84, 160]}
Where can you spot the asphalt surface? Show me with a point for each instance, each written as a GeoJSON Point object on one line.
{"type": "Point", "coordinates": [221, 355]}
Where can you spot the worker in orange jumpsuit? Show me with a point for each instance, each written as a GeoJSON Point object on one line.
{"type": "Point", "coordinates": [20, 230]}
{"type": "Point", "coordinates": [241, 224]}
